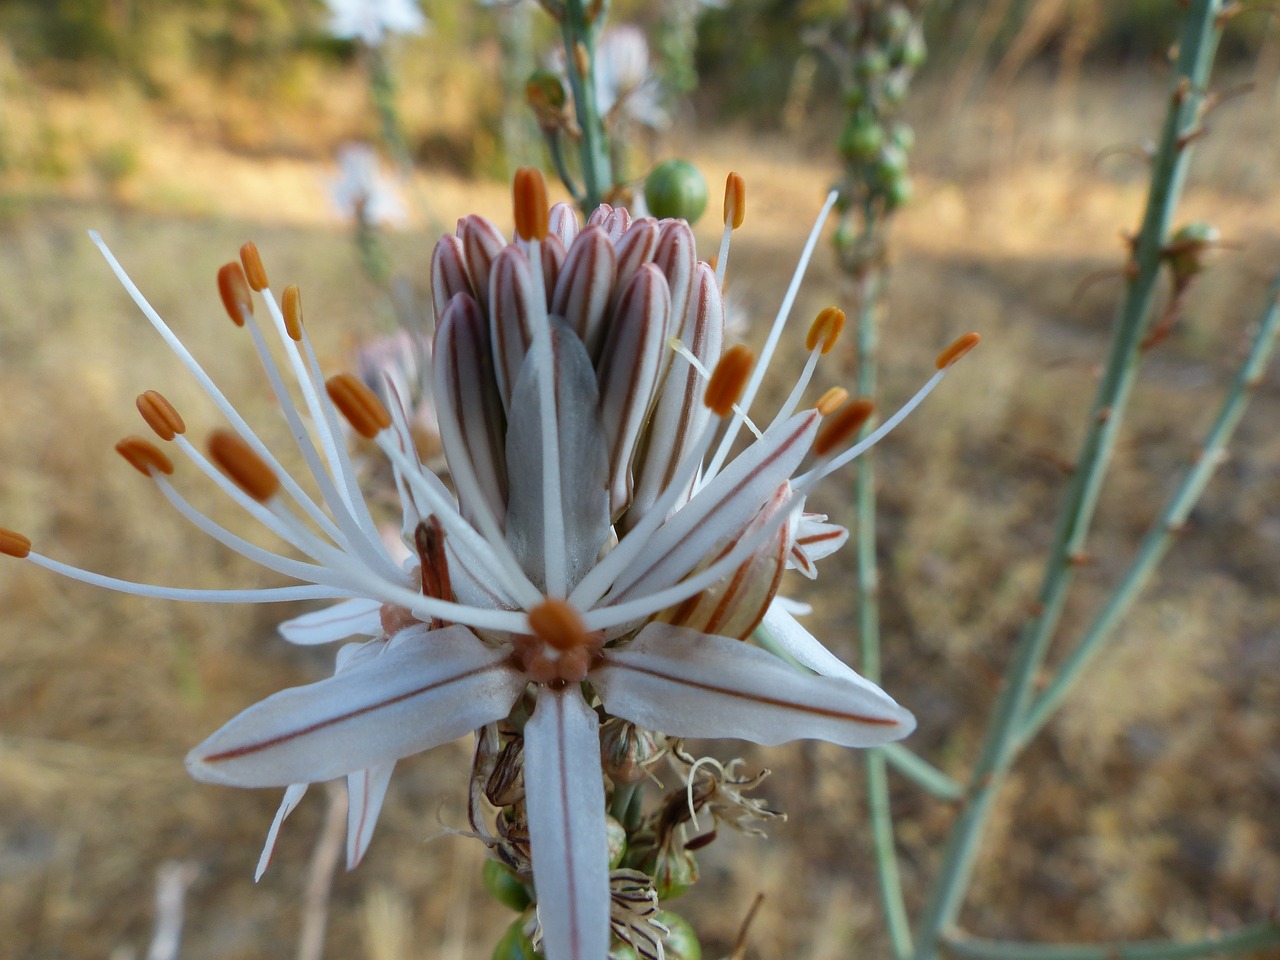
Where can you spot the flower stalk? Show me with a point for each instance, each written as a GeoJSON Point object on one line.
{"type": "Point", "coordinates": [580, 27]}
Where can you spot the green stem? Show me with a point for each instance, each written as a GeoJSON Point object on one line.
{"type": "Point", "coordinates": [1255, 937]}
{"type": "Point", "coordinates": [1160, 537]}
{"type": "Point", "coordinates": [921, 772]}
{"type": "Point", "coordinates": [578, 31]}
{"type": "Point", "coordinates": [1169, 169]}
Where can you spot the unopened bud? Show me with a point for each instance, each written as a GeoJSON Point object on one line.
{"type": "Point", "coordinates": [627, 751]}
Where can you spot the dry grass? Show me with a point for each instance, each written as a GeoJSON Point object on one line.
{"type": "Point", "coordinates": [1148, 809]}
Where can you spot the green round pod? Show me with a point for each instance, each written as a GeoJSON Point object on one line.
{"type": "Point", "coordinates": [898, 191]}
{"type": "Point", "coordinates": [504, 886]}
{"type": "Point", "coordinates": [861, 139]}
{"type": "Point", "coordinates": [514, 945]}
{"type": "Point", "coordinates": [676, 189]}
{"type": "Point", "coordinates": [682, 942]}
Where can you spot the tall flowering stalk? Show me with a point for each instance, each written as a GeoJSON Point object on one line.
{"type": "Point", "coordinates": [577, 584]}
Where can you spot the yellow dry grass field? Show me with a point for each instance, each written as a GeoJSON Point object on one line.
{"type": "Point", "coordinates": [1149, 808]}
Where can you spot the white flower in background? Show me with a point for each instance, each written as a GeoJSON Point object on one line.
{"type": "Point", "coordinates": [625, 87]}
{"type": "Point", "coordinates": [597, 554]}
{"type": "Point", "coordinates": [372, 21]}
{"type": "Point", "coordinates": [361, 192]}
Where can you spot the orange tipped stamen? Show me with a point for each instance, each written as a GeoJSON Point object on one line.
{"type": "Point", "coordinates": [728, 380]}
{"type": "Point", "coordinates": [253, 269]}
{"type": "Point", "coordinates": [842, 426]}
{"type": "Point", "coordinates": [831, 401]}
{"type": "Point", "coordinates": [558, 624]}
{"type": "Point", "coordinates": [825, 329]}
{"type": "Point", "coordinates": [532, 213]}
{"type": "Point", "coordinates": [291, 307]}
{"type": "Point", "coordinates": [234, 290]}
{"type": "Point", "coordinates": [360, 405]}
{"type": "Point", "coordinates": [246, 469]}
{"type": "Point", "coordinates": [14, 544]}
{"type": "Point", "coordinates": [735, 201]}
{"type": "Point", "coordinates": [160, 415]}
{"type": "Point", "coordinates": [957, 350]}
{"type": "Point", "coordinates": [144, 456]}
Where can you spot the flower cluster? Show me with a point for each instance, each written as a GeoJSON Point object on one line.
{"type": "Point", "coordinates": [592, 554]}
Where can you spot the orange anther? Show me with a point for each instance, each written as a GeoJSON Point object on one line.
{"type": "Point", "coordinates": [558, 624]}
{"type": "Point", "coordinates": [728, 379]}
{"type": "Point", "coordinates": [160, 415]}
{"type": "Point", "coordinates": [254, 272]}
{"type": "Point", "coordinates": [234, 290]}
{"type": "Point", "coordinates": [831, 401]}
{"type": "Point", "coordinates": [292, 310]}
{"type": "Point", "coordinates": [14, 544]}
{"type": "Point", "coordinates": [957, 350]}
{"type": "Point", "coordinates": [532, 213]}
{"type": "Point", "coordinates": [360, 405]}
{"type": "Point", "coordinates": [735, 201]}
{"type": "Point", "coordinates": [247, 470]}
{"type": "Point", "coordinates": [144, 456]}
{"type": "Point", "coordinates": [842, 426]}
{"type": "Point", "coordinates": [825, 329]}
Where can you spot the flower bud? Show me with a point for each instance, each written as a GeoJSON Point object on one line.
{"type": "Point", "coordinates": [626, 750]}
{"type": "Point", "coordinates": [673, 869]}
{"type": "Point", "coordinates": [545, 92]}
{"type": "Point", "coordinates": [1188, 248]}
{"type": "Point", "coordinates": [676, 189]}
{"type": "Point", "coordinates": [504, 886]}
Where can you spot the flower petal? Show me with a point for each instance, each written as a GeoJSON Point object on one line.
{"type": "Point", "coordinates": [448, 273]}
{"type": "Point", "coordinates": [583, 497]}
{"type": "Point", "coordinates": [350, 618]}
{"type": "Point", "coordinates": [795, 640]}
{"type": "Point", "coordinates": [564, 793]}
{"type": "Point", "coordinates": [634, 250]}
{"type": "Point", "coordinates": [427, 688]}
{"type": "Point", "coordinates": [513, 309]}
{"type": "Point", "coordinates": [366, 789]}
{"type": "Point", "coordinates": [689, 684]}
{"type": "Point", "coordinates": [677, 258]}
{"type": "Point", "coordinates": [292, 797]}
{"type": "Point", "coordinates": [482, 241]}
{"type": "Point", "coordinates": [814, 540]}
{"type": "Point", "coordinates": [582, 290]}
{"type": "Point", "coordinates": [562, 220]}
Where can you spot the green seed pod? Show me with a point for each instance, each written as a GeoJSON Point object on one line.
{"type": "Point", "coordinates": [681, 943]}
{"type": "Point", "coordinates": [673, 872]}
{"type": "Point", "coordinates": [845, 236]}
{"type": "Point", "coordinates": [903, 137]}
{"type": "Point", "coordinates": [895, 23]}
{"type": "Point", "coordinates": [1188, 248]}
{"type": "Point", "coordinates": [914, 50]}
{"type": "Point", "coordinates": [898, 191]}
{"type": "Point", "coordinates": [861, 138]}
{"type": "Point", "coordinates": [617, 835]}
{"type": "Point", "coordinates": [872, 63]}
{"type": "Point", "coordinates": [546, 86]}
{"type": "Point", "coordinates": [504, 886]}
{"type": "Point", "coordinates": [675, 188]}
{"type": "Point", "coordinates": [514, 945]}
{"type": "Point", "coordinates": [890, 164]}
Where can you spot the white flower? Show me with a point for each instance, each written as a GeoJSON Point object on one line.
{"type": "Point", "coordinates": [624, 86]}
{"type": "Point", "coordinates": [373, 20]}
{"type": "Point", "coordinates": [593, 557]}
{"type": "Point", "coordinates": [361, 192]}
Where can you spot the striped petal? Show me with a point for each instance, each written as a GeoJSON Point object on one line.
{"type": "Point", "coordinates": [582, 290]}
{"type": "Point", "coordinates": [449, 275]}
{"type": "Point", "coordinates": [690, 684]}
{"type": "Point", "coordinates": [482, 241]}
{"type": "Point", "coordinates": [634, 250]}
{"type": "Point", "coordinates": [564, 793]}
{"type": "Point", "coordinates": [350, 618]}
{"type": "Point", "coordinates": [427, 688]}
{"type": "Point", "coordinates": [814, 540]}
{"type": "Point", "coordinates": [793, 639]}
{"type": "Point", "coordinates": [366, 789]}
{"type": "Point", "coordinates": [562, 220]}
{"type": "Point", "coordinates": [677, 257]}
{"type": "Point", "coordinates": [513, 310]}
{"type": "Point", "coordinates": [292, 797]}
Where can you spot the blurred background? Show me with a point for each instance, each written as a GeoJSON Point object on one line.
{"type": "Point", "coordinates": [182, 128]}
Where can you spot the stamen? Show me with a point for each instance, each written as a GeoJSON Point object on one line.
{"type": "Point", "coordinates": [14, 544]}
{"type": "Point", "coordinates": [360, 405]}
{"type": "Point", "coordinates": [144, 456]}
{"type": "Point", "coordinates": [234, 290]}
{"type": "Point", "coordinates": [160, 415]}
{"type": "Point", "coordinates": [728, 380]}
{"type": "Point", "coordinates": [831, 401]}
{"type": "Point", "coordinates": [253, 269]}
{"type": "Point", "coordinates": [292, 308]}
{"type": "Point", "coordinates": [735, 201]}
{"type": "Point", "coordinates": [825, 330]}
{"type": "Point", "coordinates": [238, 461]}
{"type": "Point", "coordinates": [678, 347]}
{"type": "Point", "coordinates": [557, 623]}
{"type": "Point", "coordinates": [843, 425]}
{"type": "Point", "coordinates": [531, 210]}
{"type": "Point", "coordinates": [957, 350]}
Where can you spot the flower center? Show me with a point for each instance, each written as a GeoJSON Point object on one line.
{"type": "Point", "coordinates": [561, 649]}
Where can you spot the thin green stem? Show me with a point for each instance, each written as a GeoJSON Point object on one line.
{"type": "Point", "coordinates": [579, 33]}
{"type": "Point", "coordinates": [1160, 537]}
{"type": "Point", "coordinates": [1255, 937]}
{"type": "Point", "coordinates": [921, 772]}
{"type": "Point", "coordinates": [1169, 168]}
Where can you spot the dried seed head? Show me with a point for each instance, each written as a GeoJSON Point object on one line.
{"type": "Point", "coordinates": [292, 310]}
{"type": "Point", "coordinates": [735, 201]}
{"type": "Point", "coordinates": [234, 290]}
{"type": "Point", "coordinates": [160, 415]}
{"type": "Point", "coordinates": [254, 272]}
{"type": "Point", "coordinates": [831, 401]}
{"type": "Point", "coordinates": [728, 379]}
{"type": "Point", "coordinates": [558, 624]}
{"type": "Point", "coordinates": [14, 544]}
{"type": "Point", "coordinates": [532, 213]}
{"type": "Point", "coordinates": [239, 462]}
{"type": "Point", "coordinates": [144, 456]}
{"type": "Point", "coordinates": [825, 329]}
{"type": "Point", "coordinates": [360, 405]}
{"type": "Point", "coordinates": [958, 349]}
{"type": "Point", "coordinates": [841, 426]}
